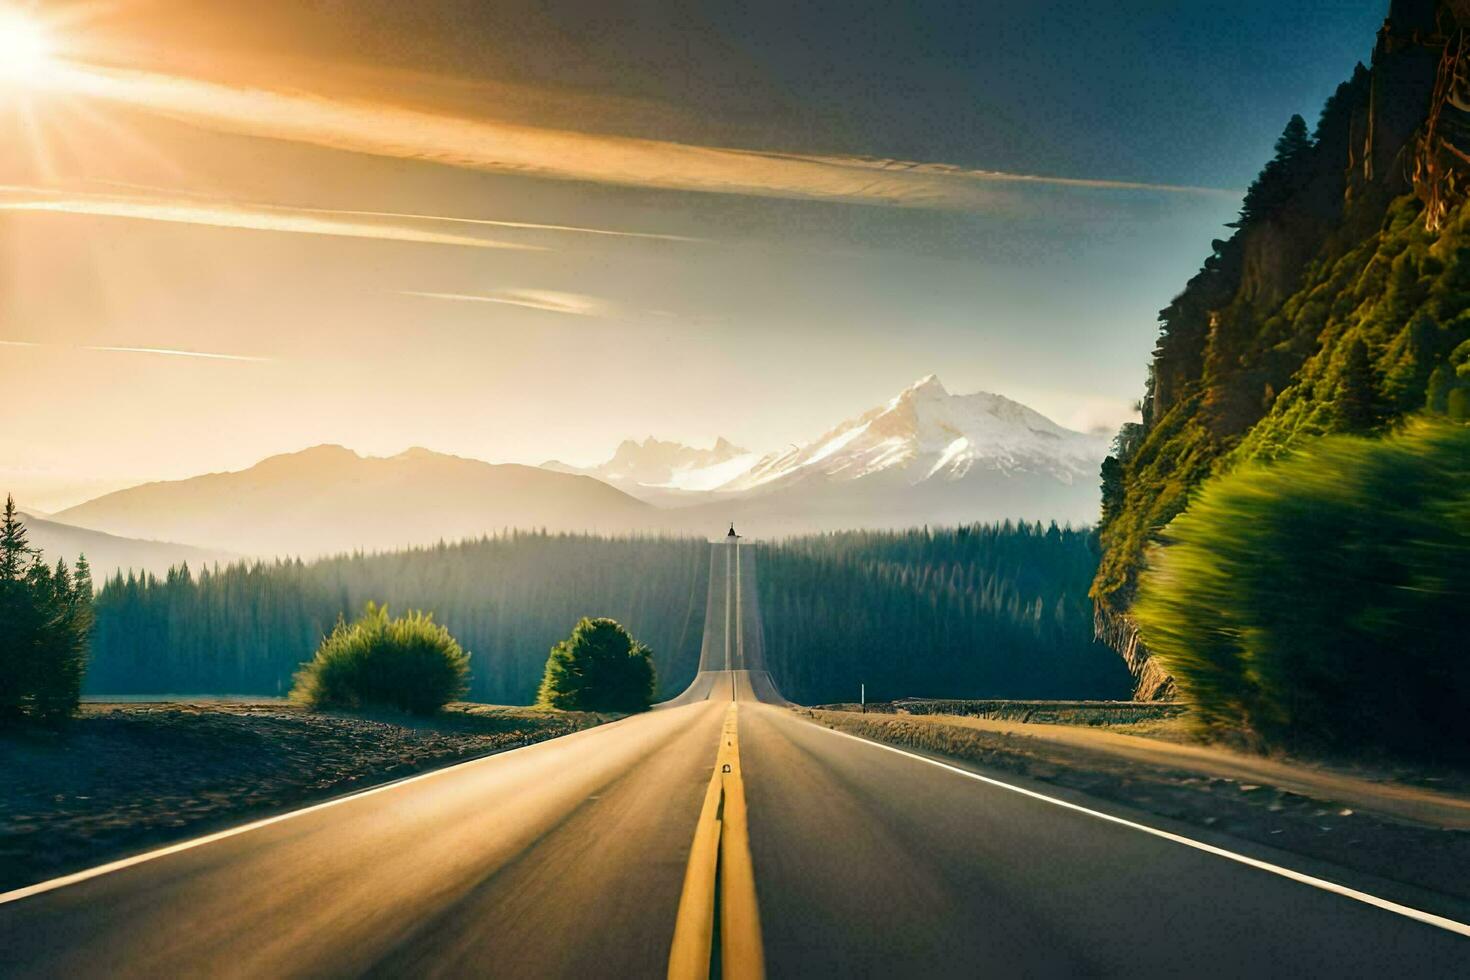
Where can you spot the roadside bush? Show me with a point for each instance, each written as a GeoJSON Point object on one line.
{"type": "Point", "coordinates": [1323, 602]}
{"type": "Point", "coordinates": [600, 667]}
{"type": "Point", "coordinates": [410, 663]}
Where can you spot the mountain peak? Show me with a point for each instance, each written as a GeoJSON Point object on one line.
{"type": "Point", "coordinates": [929, 384]}
{"type": "Point", "coordinates": [328, 453]}
{"type": "Point", "coordinates": [420, 453]}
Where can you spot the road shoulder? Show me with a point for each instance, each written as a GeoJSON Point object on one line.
{"type": "Point", "coordinates": [127, 777]}
{"type": "Point", "coordinates": [1173, 786]}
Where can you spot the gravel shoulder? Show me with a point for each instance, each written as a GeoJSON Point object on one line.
{"type": "Point", "coordinates": [122, 778]}
{"type": "Point", "coordinates": [1364, 820]}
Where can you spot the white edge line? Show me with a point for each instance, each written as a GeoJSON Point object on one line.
{"type": "Point", "coordinates": [1428, 918]}
{"type": "Point", "coordinates": [77, 877]}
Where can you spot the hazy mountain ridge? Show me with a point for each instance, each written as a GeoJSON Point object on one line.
{"type": "Point", "coordinates": [329, 499]}
{"type": "Point", "coordinates": [109, 553]}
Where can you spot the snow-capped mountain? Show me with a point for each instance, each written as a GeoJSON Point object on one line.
{"type": "Point", "coordinates": [927, 434]}
{"type": "Point", "coordinates": [926, 456]}
{"type": "Point", "coordinates": [653, 465]}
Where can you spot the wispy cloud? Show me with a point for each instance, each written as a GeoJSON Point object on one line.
{"type": "Point", "coordinates": [497, 223]}
{"type": "Point", "coordinates": [171, 352]}
{"type": "Point", "coordinates": [548, 301]}
{"type": "Point", "coordinates": [155, 191]}
{"type": "Point", "coordinates": [388, 130]}
{"type": "Point", "coordinates": [162, 351]}
{"type": "Point", "coordinates": [253, 217]}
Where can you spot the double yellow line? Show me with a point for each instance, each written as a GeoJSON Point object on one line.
{"type": "Point", "coordinates": [720, 877]}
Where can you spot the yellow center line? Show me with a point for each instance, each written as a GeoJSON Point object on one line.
{"type": "Point", "coordinates": [720, 865]}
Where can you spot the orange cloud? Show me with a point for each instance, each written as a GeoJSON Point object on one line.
{"type": "Point", "coordinates": [393, 131]}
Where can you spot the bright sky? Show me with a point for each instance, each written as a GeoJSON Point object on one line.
{"type": "Point", "coordinates": [527, 230]}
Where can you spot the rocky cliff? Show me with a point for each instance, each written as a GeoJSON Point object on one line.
{"type": "Point", "coordinates": [1340, 303]}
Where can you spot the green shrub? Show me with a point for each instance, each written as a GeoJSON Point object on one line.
{"type": "Point", "coordinates": [600, 667]}
{"type": "Point", "coordinates": [410, 663]}
{"type": "Point", "coordinates": [1324, 602]}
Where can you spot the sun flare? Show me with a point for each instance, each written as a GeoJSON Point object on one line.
{"type": "Point", "coordinates": [26, 52]}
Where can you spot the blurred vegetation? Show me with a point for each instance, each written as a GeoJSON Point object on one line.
{"type": "Point", "coordinates": [600, 667]}
{"type": "Point", "coordinates": [979, 611]}
{"type": "Point", "coordinates": [45, 624]}
{"type": "Point", "coordinates": [1322, 602]}
{"type": "Point", "coordinates": [410, 663]}
{"type": "Point", "coordinates": [1332, 308]}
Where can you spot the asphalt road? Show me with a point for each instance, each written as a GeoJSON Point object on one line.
{"type": "Point", "coordinates": [566, 859]}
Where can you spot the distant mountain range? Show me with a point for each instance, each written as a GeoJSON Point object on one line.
{"type": "Point", "coordinates": [329, 499]}
{"type": "Point", "coordinates": [658, 471]}
{"type": "Point", "coordinates": [924, 457]}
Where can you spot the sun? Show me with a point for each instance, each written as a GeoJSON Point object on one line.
{"type": "Point", "coordinates": [26, 53]}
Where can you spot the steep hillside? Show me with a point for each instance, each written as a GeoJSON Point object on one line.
{"type": "Point", "coordinates": [1341, 303]}
{"type": "Point", "coordinates": [330, 499]}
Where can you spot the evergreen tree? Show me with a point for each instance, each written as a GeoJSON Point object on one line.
{"type": "Point", "coordinates": [1359, 405]}
{"type": "Point", "coordinates": [45, 625]}
{"type": "Point", "coordinates": [1282, 177]}
{"type": "Point", "coordinates": [600, 667]}
{"type": "Point", "coordinates": [15, 612]}
{"type": "Point", "coordinates": [14, 550]}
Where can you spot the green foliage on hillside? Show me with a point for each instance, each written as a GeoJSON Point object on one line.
{"type": "Point", "coordinates": [410, 663]}
{"type": "Point", "coordinates": [1333, 307]}
{"type": "Point", "coordinates": [968, 612]}
{"type": "Point", "coordinates": [600, 667]}
{"type": "Point", "coordinates": [1377, 331]}
{"type": "Point", "coordinates": [1322, 602]}
{"type": "Point", "coordinates": [45, 625]}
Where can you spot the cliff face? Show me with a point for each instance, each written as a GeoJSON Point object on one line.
{"type": "Point", "coordinates": [1340, 303]}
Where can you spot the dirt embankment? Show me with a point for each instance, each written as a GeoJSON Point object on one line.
{"type": "Point", "coordinates": [1363, 821]}
{"type": "Point", "coordinates": [122, 778]}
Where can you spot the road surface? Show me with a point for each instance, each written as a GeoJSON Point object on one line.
{"type": "Point", "coordinates": [566, 858]}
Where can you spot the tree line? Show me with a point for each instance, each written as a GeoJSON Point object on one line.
{"type": "Point", "coordinates": [45, 623]}
{"type": "Point", "coordinates": [983, 610]}
{"type": "Point", "coordinates": [974, 611]}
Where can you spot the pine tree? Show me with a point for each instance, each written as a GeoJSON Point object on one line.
{"type": "Point", "coordinates": [1282, 177]}
{"type": "Point", "coordinates": [59, 654]}
{"type": "Point", "coordinates": [45, 625]}
{"type": "Point", "coordinates": [14, 550]}
{"type": "Point", "coordinates": [15, 613]}
{"type": "Point", "coordinates": [1359, 405]}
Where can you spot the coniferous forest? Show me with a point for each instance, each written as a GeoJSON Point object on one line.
{"type": "Point", "coordinates": [995, 611]}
